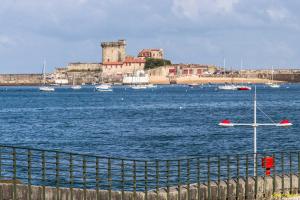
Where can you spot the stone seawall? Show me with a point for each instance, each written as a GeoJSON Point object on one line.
{"type": "Point", "coordinates": [20, 79]}
{"type": "Point", "coordinates": [236, 190]}
{"type": "Point", "coordinates": [287, 77]}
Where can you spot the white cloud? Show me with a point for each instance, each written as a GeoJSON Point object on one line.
{"type": "Point", "coordinates": [195, 8]}
{"type": "Point", "coordinates": [6, 41]}
{"type": "Point", "coordinates": [277, 14]}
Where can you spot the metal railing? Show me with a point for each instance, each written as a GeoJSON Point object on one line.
{"type": "Point", "coordinates": [71, 170]}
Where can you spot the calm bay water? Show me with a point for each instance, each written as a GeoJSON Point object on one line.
{"type": "Point", "coordinates": [165, 122]}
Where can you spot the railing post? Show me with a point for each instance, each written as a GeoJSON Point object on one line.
{"type": "Point", "coordinates": [0, 163]}
{"type": "Point", "coordinates": [97, 179]}
{"type": "Point", "coordinates": [256, 175]}
{"type": "Point", "coordinates": [157, 179]}
{"type": "Point", "coordinates": [188, 179]}
{"type": "Point", "coordinates": [282, 173]}
{"type": "Point", "coordinates": [122, 179]}
{"type": "Point", "coordinates": [71, 175]}
{"type": "Point", "coordinates": [146, 180]}
{"type": "Point", "coordinates": [134, 179]}
{"type": "Point", "coordinates": [247, 178]}
{"type": "Point", "coordinates": [219, 177]}
{"type": "Point", "coordinates": [84, 176]}
{"type": "Point", "coordinates": [228, 177]}
{"type": "Point", "coordinates": [14, 174]}
{"type": "Point", "coordinates": [109, 179]}
{"type": "Point", "coordinates": [167, 181]}
{"type": "Point", "coordinates": [298, 172]}
{"type": "Point", "coordinates": [29, 173]}
{"type": "Point", "coordinates": [57, 175]}
{"type": "Point", "coordinates": [208, 178]}
{"type": "Point", "coordinates": [44, 175]}
{"type": "Point", "coordinates": [179, 179]}
{"type": "Point", "coordinates": [291, 175]}
{"type": "Point", "coordinates": [274, 174]}
{"type": "Point", "coordinates": [198, 179]}
{"type": "Point", "coordinates": [238, 176]}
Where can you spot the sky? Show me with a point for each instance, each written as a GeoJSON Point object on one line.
{"type": "Point", "coordinates": [262, 33]}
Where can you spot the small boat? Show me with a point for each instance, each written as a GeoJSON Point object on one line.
{"type": "Point", "coordinates": [193, 85]}
{"type": "Point", "coordinates": [45, 88]}
{"type": "Point", "coordinates": [243, 87]}
{"type": "Point", "coordinates": [227, 87]}
{"type": "Point", "coordinates": [104, 88]}
{"type": "Point", "coordinates": [76, 87]}
{"type": "Point", "coordinates": [274, 85]}
{"type": "Point", "coordinates": [151, 86]}
{"type": "Point", "coordinates": [139, 87]}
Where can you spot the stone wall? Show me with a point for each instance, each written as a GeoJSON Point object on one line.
{"type": "Point", "coordinates": [245, 190]}
{"type": "Point", "coordinates": [20, 79]}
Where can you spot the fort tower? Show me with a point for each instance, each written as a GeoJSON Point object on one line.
{"type": "Point", "coordinates": [113, 51]}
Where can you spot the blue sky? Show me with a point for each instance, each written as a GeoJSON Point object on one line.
{"type": "Point", "coordinates": [261, 32]}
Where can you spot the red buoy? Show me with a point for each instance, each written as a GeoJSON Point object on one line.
{"type": "Point", "coordinates": [225, 123]}
{"type": "Point", "coordinates": [284, 122]}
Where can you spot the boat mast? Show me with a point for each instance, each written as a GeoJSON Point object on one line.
{"type": "Point", "coordinates": [272, 78]}
{"type": "Point", "coordinates": [224, 66]}
{"type": "Point", "coordinates": [241, 67]}
{"type": "Point", "coordinates": [44, 72]}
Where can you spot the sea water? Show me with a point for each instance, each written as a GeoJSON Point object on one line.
{"type": "Point", "coordinates": [164, 122]}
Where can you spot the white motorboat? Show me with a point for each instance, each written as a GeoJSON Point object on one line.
{"type": "Point", "coordinates": [139, 87]}
{"type": "Point", "coordinates": [274, 85]}
{"type": "Point", "coordinates": [104, 88]}
{"type": "Point", "coordinates": [151, 86]}
{"type": "Point", "coordinates": [76, 87]}
{"type": "Point", "coordinates": [227, 87]}
{"type": "Point", "coordinates": [45, 88]}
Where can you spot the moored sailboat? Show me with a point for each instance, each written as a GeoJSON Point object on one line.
{"type": "Point", "coordinates": [45, 88]}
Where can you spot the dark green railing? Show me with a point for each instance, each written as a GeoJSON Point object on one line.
{"type": "Point", "coordinates": [71, 170]}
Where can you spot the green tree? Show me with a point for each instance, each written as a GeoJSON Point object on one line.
{"type": "Point", "coordinates": [155, 62]}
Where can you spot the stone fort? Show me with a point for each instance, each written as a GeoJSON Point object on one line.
{"type": "Point", "coordinates": [113, 51]}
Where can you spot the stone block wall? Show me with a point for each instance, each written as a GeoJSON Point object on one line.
{"type": "Point", "coordinates": [237, 190]}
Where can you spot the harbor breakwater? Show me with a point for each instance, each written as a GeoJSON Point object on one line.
{"type": "Point", "coordinates": [89, 78]}
{"type": "Point", "coordinates": [20, 79]}
{"type": "Point", "coordinates": [275, 187]}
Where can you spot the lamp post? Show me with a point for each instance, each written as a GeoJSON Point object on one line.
{"type": "Point", "coordinates": [282, 123]}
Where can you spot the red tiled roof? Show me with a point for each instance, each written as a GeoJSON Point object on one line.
{"type": "Point", "coordinates": [134, 60]}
